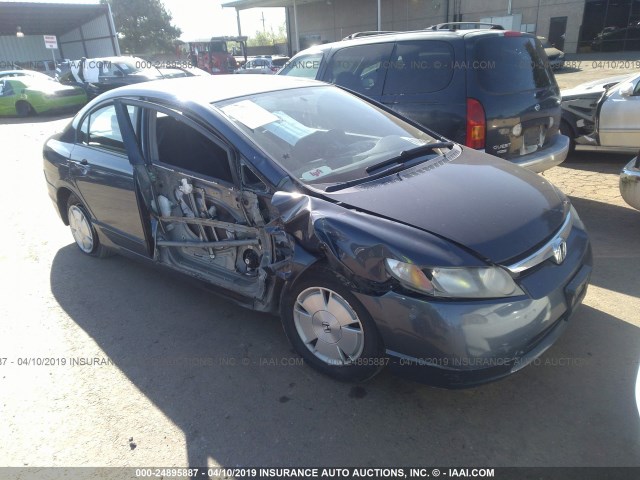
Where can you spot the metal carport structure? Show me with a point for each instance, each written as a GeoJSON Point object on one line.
{"type": "Point", "coordinates": [247, 4]}
{"type": "Point", "coordinates": [82, 30]}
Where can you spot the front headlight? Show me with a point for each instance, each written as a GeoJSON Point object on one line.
{"type": "Point", "coordinates": [454, 282]}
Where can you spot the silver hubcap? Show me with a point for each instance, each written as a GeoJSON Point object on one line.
{"type": "Point", "coordinates": [81, 229]}
{"type": "Point", "coordinates": [328, 326]}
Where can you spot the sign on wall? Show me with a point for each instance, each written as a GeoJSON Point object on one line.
{"type": "Point", "coordinates": [50, 41]}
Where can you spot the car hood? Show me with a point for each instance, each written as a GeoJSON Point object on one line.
{"type": "Point", "coordinates": [593, 88]}
{"type": "Point", "coordinates": [497, 209]}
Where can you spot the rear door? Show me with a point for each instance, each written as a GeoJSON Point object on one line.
{"type": "Point", "coordinates": [423, 85]}
{"type": "Point", "coordinates": [507, 73]}
{"type": "Point", "coordinates": [7, 98]}
{"type": "Point", "coordinates": [100, 169]}
{"type": "Point", "coordinates": [619, 120]}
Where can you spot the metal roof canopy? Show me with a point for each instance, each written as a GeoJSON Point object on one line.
{"type": "Point", "coordinates": [46, 18]}
{"type": "Point", "coordinates": [246, 4]}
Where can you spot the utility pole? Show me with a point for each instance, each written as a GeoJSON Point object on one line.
{"type": "Point", "coordinates": [263, 29]}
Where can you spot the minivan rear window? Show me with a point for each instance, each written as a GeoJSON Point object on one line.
{"type": "Point", "coordinates": [419, 67]}
{"type": "Point", "coordinates": [511, 64]}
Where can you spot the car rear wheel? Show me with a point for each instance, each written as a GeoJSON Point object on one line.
{"type": "Point", "coordinates": [331, 330]}
{"type": "Point", "coordinates": [82, 229]}
{"type": "Point", "coordinates": [24, 109]}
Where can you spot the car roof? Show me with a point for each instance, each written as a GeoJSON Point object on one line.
{"type": "Point", "coordinates": [210, 89]}
{"type": "Point", "coordinates": [413, 35]}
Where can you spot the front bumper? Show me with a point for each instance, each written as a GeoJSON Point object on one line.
{"type": "Point", "coordinates": [458, 344]}
{"type": "Point", "coordinates": [630, 183]}
{"type": "Point", "coordinates": [551, 155]}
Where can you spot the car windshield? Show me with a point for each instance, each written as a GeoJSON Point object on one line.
{"type": "Point", "coordinates": [324, 135]}
{"type": "Point", "coordinates": [132, 66]}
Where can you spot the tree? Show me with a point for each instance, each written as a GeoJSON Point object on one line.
{"type": "Point", "coordinates": [262, 39]}
{"type": "Point", "coordinates": [144, 26]}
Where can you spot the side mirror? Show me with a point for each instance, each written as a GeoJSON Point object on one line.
{"type": "Point", "coordinates": [626, 90]}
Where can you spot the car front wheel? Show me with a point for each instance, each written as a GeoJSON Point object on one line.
{"type": "Point", "coordinates": [82, 229]}
{"type": "Point", "coordinates": [331, 330]}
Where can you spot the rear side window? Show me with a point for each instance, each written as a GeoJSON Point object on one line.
{"type": "Point", "coordinates": [511, 64]}
{"type": "Point", "coordinates": [305, 66]}
{"type": "Point", "coordinates": [360, 68]}
{"type": "Point", "coordinates": [419, 67]}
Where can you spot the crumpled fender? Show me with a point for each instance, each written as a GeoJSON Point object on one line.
{"type": "Point", "coordinates": [355, 244]}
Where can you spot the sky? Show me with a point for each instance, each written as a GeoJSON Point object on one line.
{"type": "Point", "coordinates": [206, 18]}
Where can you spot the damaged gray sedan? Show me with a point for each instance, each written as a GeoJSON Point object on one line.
{"type": "Point", "coordinates": [377, 241]}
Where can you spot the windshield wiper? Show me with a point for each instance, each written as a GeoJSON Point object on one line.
{"type": "Point", "coordinates": [410, 154]}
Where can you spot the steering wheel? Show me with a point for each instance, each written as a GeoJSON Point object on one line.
{"type": "Point", "coordinates": [317, 145]}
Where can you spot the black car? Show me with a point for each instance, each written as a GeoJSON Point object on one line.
{"type": "Point", "coordinates": [98, 75]}
{"type": "Point", "coordinates": [376, 240]}
{"type": "Point", "coordinates": [491, 90]}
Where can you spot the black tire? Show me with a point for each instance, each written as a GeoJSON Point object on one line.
{"type": "Point", "coordinates": [370, 358]}
{"type": "Point", "coordinates": [24, 108]}
{"type": "Point", "coordinates": [77, 214]}
{"type": "Point", "coordinates": [565, 129]}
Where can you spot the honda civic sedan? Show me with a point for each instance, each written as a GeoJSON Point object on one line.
{"type": "Point", "coordinates": [378, 242]}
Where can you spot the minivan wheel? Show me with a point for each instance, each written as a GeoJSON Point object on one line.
{"type": "Point", "coordinates": [82, 229]}
{"type": "Point", "coordinates": [331, 330]}
{"type": "Point", "coordinates": [24, 109]}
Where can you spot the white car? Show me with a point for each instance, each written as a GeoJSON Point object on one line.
{"type": "Point", "coordinates": [603, 114]}
{"type": "Point", "coordinates": [263, 65]}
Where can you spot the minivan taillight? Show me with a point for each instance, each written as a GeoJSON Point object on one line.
{"type": "Point", "coordinates": [476, 124]}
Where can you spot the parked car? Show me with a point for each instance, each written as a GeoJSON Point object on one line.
{"type": "Point", "coordinates": [98, 75]}
{"type": "Point", "coordinates": [25, 73]}
{"type": "Point", "coordinates": [555, 56]}
{"type": "Point", "coordinates": [617, 39]}
{"type": "Point", "coordinates": [377, 240]}
{"type": "Point", "coordinates": [630, 183]}
{"type": "Point", "coordinates": [603, 114]}
{"type": "Point", "coordinates": [490, 89]}
{"type": "Point", "coordinates": [263, 66]}
{"type": "Point", "coordinates": [46, 67]}
{"type": "Point", "coordinates": [25, 96]}
{"type": "Point", "coordinates": [182, 71]}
